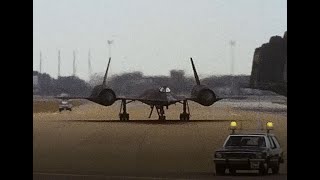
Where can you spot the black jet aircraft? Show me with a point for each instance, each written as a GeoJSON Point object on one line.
{"type": "Point", "coordinates": [159, 98]}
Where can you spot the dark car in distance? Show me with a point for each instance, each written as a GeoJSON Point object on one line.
{"type": "Point", "coordinates": [252, 151]}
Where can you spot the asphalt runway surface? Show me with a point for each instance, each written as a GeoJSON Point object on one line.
{"type": "Point", "coordinates": [91, 143]}
{"type": "Point", "coordinates": [195, 176]}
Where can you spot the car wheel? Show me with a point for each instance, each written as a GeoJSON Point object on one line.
{"type": "Point", "coordinates": [220, 170]}
{"type": "Point", "coordinates": [275, 169]}
{"type": "Point", "coordinates": [232, 171]}
{"type": "Point", "coordinates": [264, 169]}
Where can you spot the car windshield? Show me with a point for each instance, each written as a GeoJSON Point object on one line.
{"type": "Point", "coordinates": [64, 102]}
{"type": "Point", "coordinates": [253, 141]}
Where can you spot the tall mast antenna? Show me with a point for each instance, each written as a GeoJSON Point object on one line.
{"type": "Point", "coordinates": [74, 63]}
{"type": "Point", "coordinates": [89, 64]}
{"type": "Point", "coordinates": [232, 45]}
{"type": "Point", "coordinates": [59, 61]}
{"type": "Point", "coordinates": [40, 66]}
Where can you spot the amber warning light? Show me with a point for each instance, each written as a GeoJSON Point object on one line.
{"type": "Point", "coordinates": [233, 126]}
{"type": "Point", "coordinates": [269, 126]}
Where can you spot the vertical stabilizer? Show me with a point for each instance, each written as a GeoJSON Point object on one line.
{"type": "Point", "coordinates": [106, 74]}
{"type": "Point", "coordinates": [195, 72]}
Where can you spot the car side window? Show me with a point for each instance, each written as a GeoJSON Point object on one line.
{"type": "Point", "coordinates": [273, 146]}
{"type": "Point", "coordinates": [275, 141]}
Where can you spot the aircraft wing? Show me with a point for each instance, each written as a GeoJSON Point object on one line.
{"type": "Point", "coordinates": [72, 97]}
{"type": "Point", "coordinates": [172, 99]}
{"type": "Point", "coordinates": [220, 98]}
{"type": "Point", "coordinates": [89, 98]}
{"type": "Point", "coordinates": [233, 97]}
{"type": "Point", "coordinates": [146, 99]}
{"type": "Point", "coordinates": [129, 98]}
{"type": "Point", "coordinates": [182, 98]}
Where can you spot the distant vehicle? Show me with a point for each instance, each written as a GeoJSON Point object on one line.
{"type": "Point", "coordinates": [249, 151]}
{"type": "Point", "coordinates": [157, 98]}
{"type": "Point", "coordinates": [65, 103]}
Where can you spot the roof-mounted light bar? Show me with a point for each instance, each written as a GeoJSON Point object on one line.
{"type": "Point", "coordinates": [234, 125]}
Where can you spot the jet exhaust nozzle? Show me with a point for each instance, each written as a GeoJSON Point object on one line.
{"type": "Point", "coordinates": [203, 95]}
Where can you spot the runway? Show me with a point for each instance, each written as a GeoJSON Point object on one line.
{"type": "Point", "coordinates": [195, 176]}
{"type": "Point", "coordinates": [91, 143]}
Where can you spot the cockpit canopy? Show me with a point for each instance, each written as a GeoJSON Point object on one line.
{"type": "Point", "coordinates": [164, 89]}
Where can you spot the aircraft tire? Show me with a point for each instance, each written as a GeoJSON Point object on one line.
{"type": "Point", "coordinates": [121, 117]}
{"type": "Point", "coordinates": [184, 117]}
{"type": "Point", "coordinates": [126, 117]}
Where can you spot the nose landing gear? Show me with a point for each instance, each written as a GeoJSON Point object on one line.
{"type": "Point", "coordinates": [160, 112]}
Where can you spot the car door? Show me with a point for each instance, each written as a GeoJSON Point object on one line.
{"type": "Point", "coordinates": [275, 150]}
{"type": "Point", "coordinates": [278, 150]}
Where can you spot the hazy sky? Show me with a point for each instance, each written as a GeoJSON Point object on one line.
{"type": "Point", "coordinates": [153, 36]}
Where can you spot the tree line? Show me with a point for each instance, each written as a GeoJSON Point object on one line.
{"type": "Point", "coordinates": [134, 83]}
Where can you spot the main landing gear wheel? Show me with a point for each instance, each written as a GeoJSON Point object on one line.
{"type": "Point", "coordinates": [185, 116]}
{"type": "Point", "coordinates": [124, 117]}
{"type": "Point", "coordinates": [162, 118]}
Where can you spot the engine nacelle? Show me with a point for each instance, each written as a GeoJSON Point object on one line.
{"type": "Point", "coordinates": [203, 95]}
{"type": "Point", "coordinates": [105, 97]}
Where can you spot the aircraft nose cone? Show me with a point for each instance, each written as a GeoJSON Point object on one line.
{"type": "Point", "coordinates": [170, 98]}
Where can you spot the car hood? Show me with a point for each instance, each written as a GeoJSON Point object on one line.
{"type": "Point", "coordinates": [241, 149]}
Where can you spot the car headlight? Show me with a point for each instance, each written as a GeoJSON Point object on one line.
{"type": "Point", "coordinates": [218, 155]}
{"type": "Point", "coordinates": [261, 155]}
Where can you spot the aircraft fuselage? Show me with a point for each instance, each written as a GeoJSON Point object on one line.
{"type": "Point", "coordinates": [157, 97]}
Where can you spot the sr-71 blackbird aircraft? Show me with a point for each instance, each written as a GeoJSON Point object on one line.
{"type": "Point", "coordinates": [156, 98]}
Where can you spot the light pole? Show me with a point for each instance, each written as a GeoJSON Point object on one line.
{"type": "Point", "coordinates": [40, 65]}
{"type": "Point", "coordinates": [89, 65]}
{"type": "Point", "coordinates": [59, 61]}
{"type": "Point", "coordinates": [232, 45]}
{"type": "Point", "coordinates": [74, 63]}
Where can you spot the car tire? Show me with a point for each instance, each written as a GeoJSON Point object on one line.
{"type": "Point", "coordinates": [264, 167]}
{"type": "Point", "coordinates": [220, 170]}
{"type": "Point", "coordinates": [275, 169]}
{"type": "Point", "coordinates": [232, 171]}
